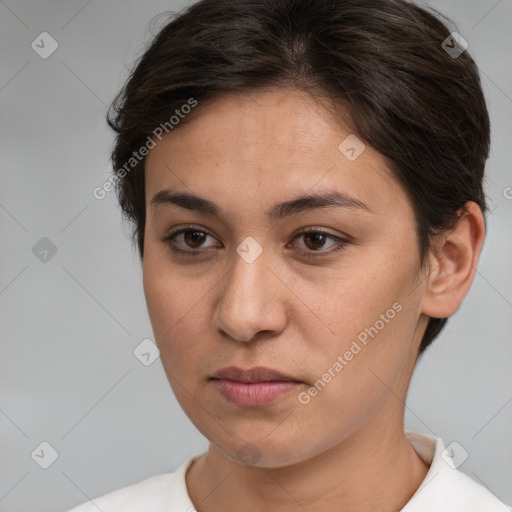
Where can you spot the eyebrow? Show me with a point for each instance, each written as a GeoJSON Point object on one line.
{"type": "Point", "coordinates": [332, 198]}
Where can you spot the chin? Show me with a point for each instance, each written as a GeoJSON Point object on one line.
{"type": "Point", "coordinates": [263, 453]}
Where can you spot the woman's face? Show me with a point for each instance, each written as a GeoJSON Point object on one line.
{"type": "Point", "coordinates": [248, 290]}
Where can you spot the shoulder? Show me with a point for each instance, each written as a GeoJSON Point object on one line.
{"type": "Point", "coordinates": [446, 488]}
{"type": "Point", "coordinates": [464, 494]}
{"type": "Point", "coordinates": [157, 493]}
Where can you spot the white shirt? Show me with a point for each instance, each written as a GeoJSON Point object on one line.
{"type": "Point", "coordinates": [444, 489]}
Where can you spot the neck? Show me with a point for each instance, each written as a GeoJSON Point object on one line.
{"type": "Point", "coordinates": [372, 468]}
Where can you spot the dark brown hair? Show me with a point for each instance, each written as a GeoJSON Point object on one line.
{"type": "Point", "coordinates": [383, 61]}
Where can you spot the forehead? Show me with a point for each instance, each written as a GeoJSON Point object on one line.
{"type": "Point", "coordinates": [247, 149]}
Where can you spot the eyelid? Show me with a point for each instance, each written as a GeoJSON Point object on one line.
{"type": "Point", "coordinates": [169, 237]}
{"type": "Point", "coordinates": [341, 240]}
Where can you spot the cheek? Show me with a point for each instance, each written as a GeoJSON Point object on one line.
{"type": "Point", "coordinates": [361, 373]}
{"type": "Point", "coordinates": [176, 307]}
{"type": "Point", "coordinates": [369, 297]}
{"type": "Point", "coordinates": [372, 316]}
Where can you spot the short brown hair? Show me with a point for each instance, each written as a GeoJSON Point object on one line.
{"type": "Point", "coordinates": [382, 60]}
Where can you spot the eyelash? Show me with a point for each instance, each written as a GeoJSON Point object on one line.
{"type": "Point", "coordinates": [342, 242]}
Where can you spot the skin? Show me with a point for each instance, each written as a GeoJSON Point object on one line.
{"type": "Point", "coordinates": [345, 449]}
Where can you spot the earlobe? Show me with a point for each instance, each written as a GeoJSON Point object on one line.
{"type": "Point", "coordinates": [453, 262]}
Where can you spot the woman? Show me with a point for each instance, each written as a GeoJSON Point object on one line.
{"type": "Point", "coordinates": [305, 184]}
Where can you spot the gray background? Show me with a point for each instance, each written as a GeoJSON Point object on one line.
{"type": "Point", "coordinates": [68, 375]}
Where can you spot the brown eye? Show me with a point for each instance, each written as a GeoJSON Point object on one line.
{"type": "Point", "coordinates": [187, 240]}
{"type": "Point", "coordinates": [190, 241]}
{"type": "Point", "coordinates": [194, 238]}
{"type": "Point", "coordinates": [316, 240]}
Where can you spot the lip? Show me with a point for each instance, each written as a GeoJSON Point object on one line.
{"type": "Point", "coordinates": [255, 374]}
{"type": "Point", "coordinates": [254, 387]}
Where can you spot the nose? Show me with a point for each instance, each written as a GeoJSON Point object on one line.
{"type": "Point", "coordinates": [252, 300]}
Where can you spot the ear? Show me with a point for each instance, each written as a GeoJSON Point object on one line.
{"type": "Point", "coordinates": [453, 261]}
